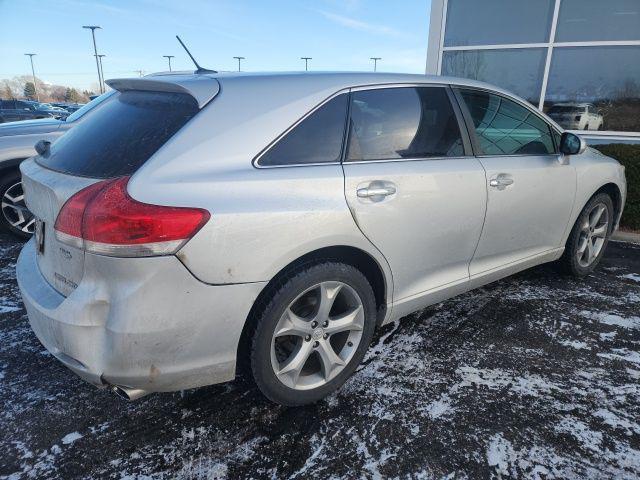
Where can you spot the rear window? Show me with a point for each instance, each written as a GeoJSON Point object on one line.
{"type": "Point", "coordinates": [121, 134]}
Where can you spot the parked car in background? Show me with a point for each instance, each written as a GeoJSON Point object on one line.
{"type": "Point", "coordinates": [576, 116]}
{"type": "Point", "coordinates": [182, 229]}
{"type": "Point", "coordinates": [69, 107]}
{"type": "Point", "coordinates": [17, 140]}
{"type": "Point", "coordinates": [55, 112]}
{"type": "Point", "coordinates": [15, 110]}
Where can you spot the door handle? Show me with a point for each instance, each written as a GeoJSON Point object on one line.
{"type": "Point", "coordinates": [501, 181]}
{"type": "Point", "coordinates": [368, 192]}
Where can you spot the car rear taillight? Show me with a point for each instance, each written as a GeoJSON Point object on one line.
{"type": "Point", "coordinates": [102, 218]}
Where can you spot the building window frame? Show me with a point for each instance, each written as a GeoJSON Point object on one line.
{"type": "Point", "coordinates": [437, 28]}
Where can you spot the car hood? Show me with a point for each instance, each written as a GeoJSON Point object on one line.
{"type": "Point", "coordinates": [30, 127]}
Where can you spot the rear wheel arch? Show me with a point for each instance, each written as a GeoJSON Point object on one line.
{"type": "Point", "coordinates": [353, 256]}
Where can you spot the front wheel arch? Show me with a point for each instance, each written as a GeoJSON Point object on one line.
{"type": "Point", "coordinates": [613, 191]}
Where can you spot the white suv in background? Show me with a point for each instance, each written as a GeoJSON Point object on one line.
{"type": "Point", "coordinates": [576, 116]}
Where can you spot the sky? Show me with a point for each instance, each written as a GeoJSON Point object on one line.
{"type": "Point", "coordinates": [271, 34]}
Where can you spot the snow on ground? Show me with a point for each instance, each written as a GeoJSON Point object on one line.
{"type": "Point", "coordinates": [537, 376]}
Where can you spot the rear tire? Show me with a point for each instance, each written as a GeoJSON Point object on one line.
{"type": "Point", "coordinates": [15, 218]}
{"type": "Point", "coordinates": [312, 333]}
{"type": "Point", "coordinates": [589, 237]}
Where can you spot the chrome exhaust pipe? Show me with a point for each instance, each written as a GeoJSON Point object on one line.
{"type": "Point", "coordinates": [127, 393]}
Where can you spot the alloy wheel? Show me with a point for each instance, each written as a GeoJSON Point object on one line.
{"type": "Point", "coordinates": [15, 211]}
{"type": "Point", "coordinates": [593, 235]}
{"type": "Point", "coordinates": [317, 335]}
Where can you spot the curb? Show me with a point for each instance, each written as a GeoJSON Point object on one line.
{"type": "Point", "coordinates": [626, 237]}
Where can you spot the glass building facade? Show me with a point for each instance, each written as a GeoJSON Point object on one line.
{"type": "Point", "coordinates": [577, 60]}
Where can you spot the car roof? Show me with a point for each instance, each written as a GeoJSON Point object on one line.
{"type": "Point", "coordinates": [204, 86]}
{"type": "Point", "coordinates": [344, 79]}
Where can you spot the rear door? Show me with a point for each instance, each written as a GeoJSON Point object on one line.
{"type": "Point", "coordinates": [530, 190]}
{"type": "Point", "coordinates": [412, 188]}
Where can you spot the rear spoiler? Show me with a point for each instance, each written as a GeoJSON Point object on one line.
{"type": "Point", "coordinates": [202, 88]}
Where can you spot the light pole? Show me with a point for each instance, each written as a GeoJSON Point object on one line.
{"type": "Point", "coordinates": [375, 62]}
{"type": "Point", "coordinates": [33, 74]}
{"type": "Point", "coordinates": [169, 57]}
{"type": "Point", "coordinates": [306, 62]}
{"type": "Point", "coordinates": [239, 60]}
{"type": "Point", "coordinates": [101, 70]}
{"type": "Point", "coordinates": [95, 52]}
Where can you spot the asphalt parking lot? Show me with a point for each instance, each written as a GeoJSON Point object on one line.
{"type": "Point", "coordinates": [536, 376]}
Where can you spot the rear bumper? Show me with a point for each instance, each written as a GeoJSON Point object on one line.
{"type": "Point", "coordinates": [139, 323]}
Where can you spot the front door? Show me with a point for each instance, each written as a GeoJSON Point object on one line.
{"type": "Point", "coordinates": [412, 190]}
{"type": "Point", "coordinates": [530, 190]}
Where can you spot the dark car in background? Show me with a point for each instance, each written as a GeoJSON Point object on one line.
{"type": "Point", "coordinates": [14, 110]}
{"type": "Point", "coordinates": [69, 107]}
{"type": "Point", "coordinates": [56, 112]}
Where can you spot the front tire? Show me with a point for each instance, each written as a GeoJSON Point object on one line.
{"type": "Point", "coordinates": [15, 217]}
{"type": "Point", "coordinates": [589, 237]}
{"type": "Point", "coordinates": [312, 333]}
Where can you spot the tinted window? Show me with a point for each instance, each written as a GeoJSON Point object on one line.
{"type": "Point", "coordinates": [589, 20]}
{"type": "Point", "coordinates": [497, 22]}
{"type": "Point", "coordinates": [505, 128]}
{"type": "Point", "coordinates": [80, 111]}
{"type": "Point", "coordinates": [517, 70]}
{"type": "Point", "coordinates": [607, 77]}
{"type": "Point", "coordinates": [317, 139]}
{"type": "Point", "coordinates": [403, 123]}
{"type": "Point", "coordinates": [117, 138]}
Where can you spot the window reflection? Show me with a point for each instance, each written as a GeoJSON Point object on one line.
{"type": "Point", "coordinates": [591, 20]}
{"type": "Point", "coordinates": [497, 22]}
{"type": "Point", "coordinates": [517, 70]}
{"type": "Point", "coordinates": [506, 128]}
{"type": "Point", "coordinates": [393, 123]}
{"type": "Point", "coordinates": [595, 88]}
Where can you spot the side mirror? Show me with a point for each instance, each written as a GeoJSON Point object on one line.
{"type": "Point", "coordinates": [572, 144]}
{"type": "Point", "coordinates": [42, 147]}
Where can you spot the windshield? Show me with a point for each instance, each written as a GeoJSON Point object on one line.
{"type": "Point", "coordinates": [89, 106]}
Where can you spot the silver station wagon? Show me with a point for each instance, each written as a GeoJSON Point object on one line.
{"type": "Point", "coordinates": [196, 223]}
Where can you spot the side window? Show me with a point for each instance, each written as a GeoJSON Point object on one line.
{"type": "Point", "coordinates": [317, 139]}
{"type": "Point", "coordinates": [404, 122]}
{"type": "Point", "coordinates": [505, 128]}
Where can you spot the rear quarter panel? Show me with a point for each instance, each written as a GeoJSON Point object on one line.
{"type": "Point", "coordinates": [261, 218]}
{"type": "Point", "coordinates": [264, 219]}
